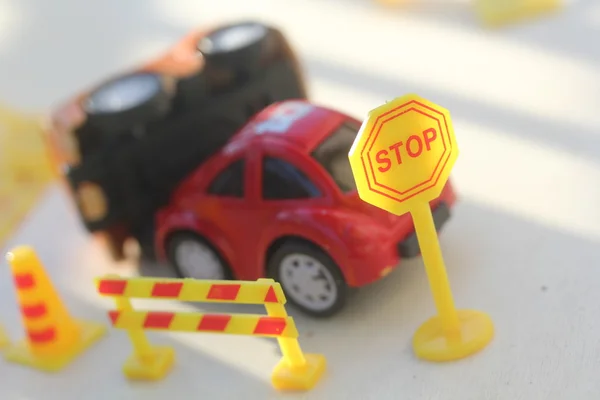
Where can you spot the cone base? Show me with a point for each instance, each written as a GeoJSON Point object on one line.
{"type": "Point", "coordinates": [154, 367]}
{"type": "Point", "coordinates": [21, 353]}
{"type": "Point", "coordinates": [286, 377]}
{"type": "Point", "coordinates": [431, 343]}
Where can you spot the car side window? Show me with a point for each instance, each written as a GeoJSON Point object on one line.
{"type": "Point", "coordinates": [283, 181]}
{"type": "Point", "coordinates": [230, 181]}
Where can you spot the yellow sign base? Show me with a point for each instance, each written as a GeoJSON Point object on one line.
{"type": "Point", "coordinates": [151, 367]}
{"type": "Point", "coordinates": [433, 344]}
{"type": "Point", "coordinates": [287, 377]}
{"type": "Point", "coordinates": [20, 352]}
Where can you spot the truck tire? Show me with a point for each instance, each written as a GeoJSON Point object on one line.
{"type": "Point", "coordinates": [293, 263]}
{"type": "Point", "coordinates": [237, 46]}
{"type": "Point", "coordinates": [128, 101]}
{"type": "Point", "coordinates": [144, 235]}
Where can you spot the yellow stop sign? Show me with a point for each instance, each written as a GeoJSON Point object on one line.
{"type": "Point", "coordinates": [403, 154]}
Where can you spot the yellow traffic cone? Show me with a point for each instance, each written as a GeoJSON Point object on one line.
{"type": "Point", "coordinates": [53, 337]}
{"type": "Point", "coordinates": [4, 340]}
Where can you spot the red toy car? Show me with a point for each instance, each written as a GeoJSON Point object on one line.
{"type": "Point", "coordinates": [279, 200]}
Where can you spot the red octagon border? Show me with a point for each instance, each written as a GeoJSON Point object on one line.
{"type": "Point", "coordinates": [372, 137]}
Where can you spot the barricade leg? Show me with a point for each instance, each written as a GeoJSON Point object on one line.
{"type": "Point", "coordinates": [296, 370]}
{"type": "Point", "coordinates": [147, 362]}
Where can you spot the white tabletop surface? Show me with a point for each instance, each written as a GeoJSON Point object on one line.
{"type": "Point", "coordinates": [524, 243]}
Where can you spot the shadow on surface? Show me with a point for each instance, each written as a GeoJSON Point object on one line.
{"type": "Point", "coordinates": [557, 135]}
{"type": "Point", "coordinates": [567, 31]}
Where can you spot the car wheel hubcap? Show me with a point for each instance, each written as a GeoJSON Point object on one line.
{"type": "Point", "coordinates": [198, 261]}
{"type": "Point", "coordinates": [308, 282]}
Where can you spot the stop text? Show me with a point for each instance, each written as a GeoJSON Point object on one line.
{"type": "Point", "coordinates": [414, 147]}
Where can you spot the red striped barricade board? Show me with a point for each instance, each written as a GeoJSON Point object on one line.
{"type": "Point", "coordinates": [296, 370]}
{"type": "Point", "coordinates": [193, 290]}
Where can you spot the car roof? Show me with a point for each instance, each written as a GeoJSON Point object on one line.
{"type": "Point", "coordinates": [294, 121]}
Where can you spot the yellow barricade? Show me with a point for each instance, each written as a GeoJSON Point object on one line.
{"type": "Point", "coordinates": [296, 370]}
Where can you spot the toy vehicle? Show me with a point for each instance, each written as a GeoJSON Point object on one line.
{"type": "Point", "coordinates": [127, 143]}
{"type": "Point", "coordinates": [280, 200]}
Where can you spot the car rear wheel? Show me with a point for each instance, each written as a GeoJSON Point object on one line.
{"type": "Point", "coordinates": [310, 279]}
{"type": "Point", "coordinates": [193, 257]}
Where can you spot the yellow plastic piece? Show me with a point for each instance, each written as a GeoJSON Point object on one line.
{"type": "Point", "coordinates": [296, 371]}
{"type": "Point", "coordinates": [288, 377]}
{"type": "Point", "coordinates": [452, 334]}
{"type": "Point", "coordinates": [238, 324]}
{"type": "Point", "coordinates": [197, 290]}
{"type": "Point", "coordinates": [147, 362]}
{"type": "Point", "coordinates": [495, 13]}
{"type": "Point", "coordinates": [4, 339]}
{"type": "Point", "coordinates": [53, 337]}
{"type": "Point", "coordinates": [153, 366]}
{"type": "Point", "coordinates": [26, 167]}
{"type": "Point", "coordinates": [393, 2]}
{"type": "Point", "coordinates": [431, 342]}
{"type": "Point", "coordinates": [401, 160]}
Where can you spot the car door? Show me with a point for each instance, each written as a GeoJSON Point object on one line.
{"type": "Point", "coordinates": [229, 202]}
{"type": "Point", "coordinates": [288, 181]}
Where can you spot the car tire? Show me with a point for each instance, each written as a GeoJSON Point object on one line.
{"type": "Point", "coordinates": [191, 256]}
{"type": "Point", "coordinates": [141, 98]}
{"type": "Point", "coordinates": [283, 266]}
{"type": "Point", "coordinates": [237, 46]}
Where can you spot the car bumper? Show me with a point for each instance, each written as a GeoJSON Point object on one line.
{"type": "Point", "coordinates": [409, 247]}
{"type": "Point", "coordinates": [382, 258]}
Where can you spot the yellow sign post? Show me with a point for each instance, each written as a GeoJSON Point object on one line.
{"type": "Point", "coordinates": [401, 160]}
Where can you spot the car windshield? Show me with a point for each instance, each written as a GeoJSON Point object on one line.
{"type": "Point", "coordinates": [332, 154]}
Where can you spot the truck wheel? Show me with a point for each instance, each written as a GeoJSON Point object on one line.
{"type": "Point", "coordinates": [128, 101]}
{"type": "Point", "coordinates": [145, 239]}
{"type": "Point", "coordinates": [193, 257]}
{"type": "Point", "coordinates": [238, 46]}
{"type": "Point", "coordinates": [310, 279]}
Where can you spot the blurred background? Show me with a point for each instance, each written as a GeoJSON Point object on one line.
{"type": "Point", "coordinates": [524, 94]}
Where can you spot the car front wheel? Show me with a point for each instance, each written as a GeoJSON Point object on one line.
{"type": "Point", "coordinates": [310, 279]}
